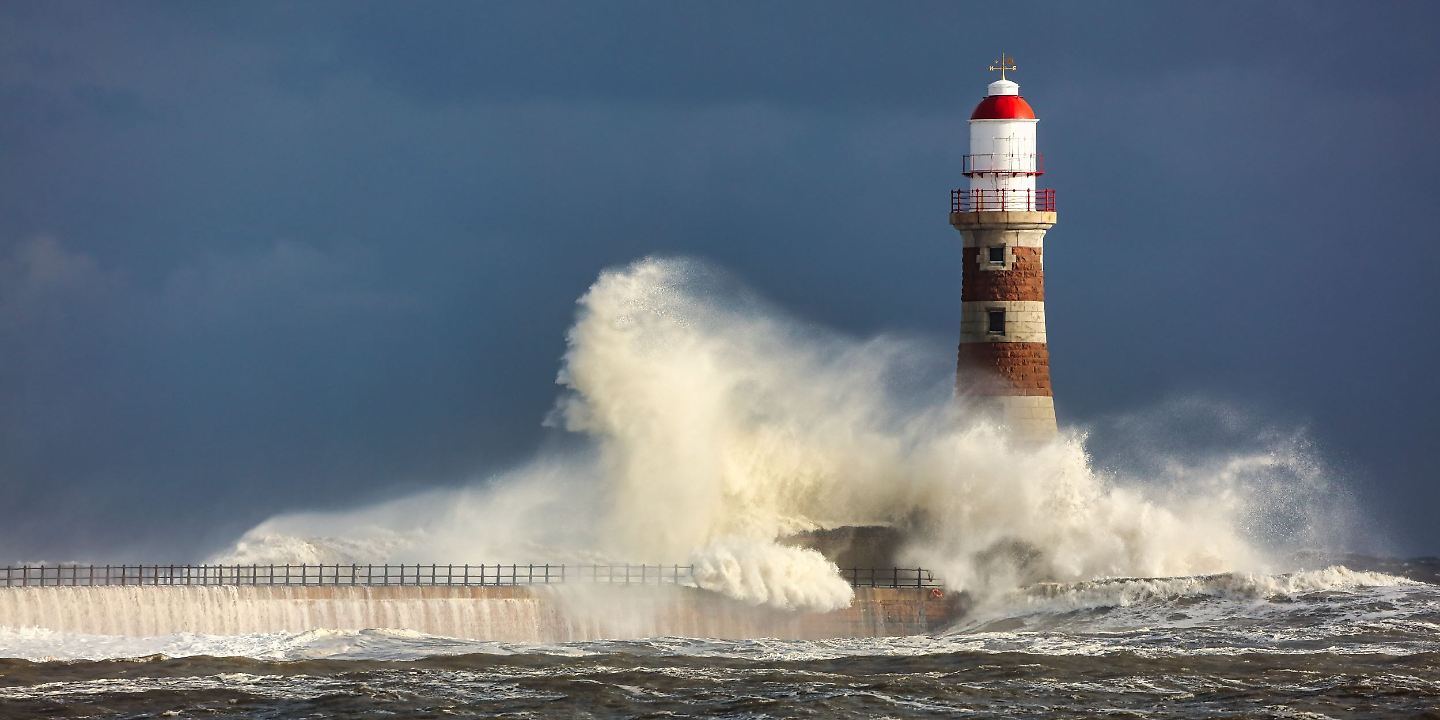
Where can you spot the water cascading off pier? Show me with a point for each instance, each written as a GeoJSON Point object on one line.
{"type": "Point", "coordinates": [531, 608]}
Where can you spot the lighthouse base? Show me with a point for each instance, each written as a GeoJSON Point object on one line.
{"type": "Point", "coordinates": [1029, 418]}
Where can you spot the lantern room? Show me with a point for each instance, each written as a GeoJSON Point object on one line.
{"type": "Point", "coordinates": [1003, 163]}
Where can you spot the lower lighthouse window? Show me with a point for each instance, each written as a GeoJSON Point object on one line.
{"type": "Point", "coordinates": [997, 321]}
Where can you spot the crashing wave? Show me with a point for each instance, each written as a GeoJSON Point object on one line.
{"type": "Point", "coordinates": [713, 419]}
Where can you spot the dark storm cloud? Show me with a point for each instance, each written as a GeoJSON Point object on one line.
{"type": "Point", "coordinates": [262, 256]}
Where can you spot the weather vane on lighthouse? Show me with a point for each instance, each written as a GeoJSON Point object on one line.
{"type": "Point", "coordinates": [1004, 63]}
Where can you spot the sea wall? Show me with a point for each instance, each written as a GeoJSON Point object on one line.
{"type": "Point", "coordinates": [525, 614]}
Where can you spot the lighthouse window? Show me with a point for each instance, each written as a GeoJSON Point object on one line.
{"type": "Point", "coordinates": [997, 255]}
{"type": "Point", "coordinates": [997, 322]}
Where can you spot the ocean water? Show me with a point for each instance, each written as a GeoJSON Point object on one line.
{"type": "Point", "coordinates": [713, 427]}
{"type": "Point", "coordinates": [1324, 643]}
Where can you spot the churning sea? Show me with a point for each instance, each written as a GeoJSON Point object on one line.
{"type": "Point", "coordinates": [1321, 644]}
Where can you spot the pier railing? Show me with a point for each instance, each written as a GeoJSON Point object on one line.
{"type": "Point", "coordinates": [406, 574]}
{"type": "Point", "coordinates": [891, 577]}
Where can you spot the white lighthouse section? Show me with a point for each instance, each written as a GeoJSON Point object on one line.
{"type": "Point", "coordinates": [1003, 163]}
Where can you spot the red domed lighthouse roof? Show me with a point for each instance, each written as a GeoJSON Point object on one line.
{"type": "Point", "coordinates": [1003, 107]}
{"type": "Point", "coordinates": [1003, 103]}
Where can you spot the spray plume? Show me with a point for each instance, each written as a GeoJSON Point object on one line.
{"type": "Point", "coordinates": [719, 426]}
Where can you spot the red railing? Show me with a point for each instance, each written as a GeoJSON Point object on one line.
{"type": "Point", "coordinates": [1003, 164]}
{"type": "Point", "coordinates": [967, 201]}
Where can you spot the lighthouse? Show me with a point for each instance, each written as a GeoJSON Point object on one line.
{"type": "Point", "coordinates": [1002, 218]}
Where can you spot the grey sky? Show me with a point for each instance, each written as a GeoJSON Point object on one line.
{"type": "Point", "coordinates": [266, 256]}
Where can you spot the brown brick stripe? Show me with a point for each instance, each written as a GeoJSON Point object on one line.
{"type": "Point", "coordinates": [1023, 281]}
{"type": "Point", "coordinates": [1003, 368]}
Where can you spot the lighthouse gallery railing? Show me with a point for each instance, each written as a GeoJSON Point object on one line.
{"type": "Point", "coordinates": [966, 201]}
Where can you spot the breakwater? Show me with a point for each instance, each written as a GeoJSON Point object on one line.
{"type": "Point", "coordinates": [433, 574]}
{"type": "Point", "coordinates": [507, 613]}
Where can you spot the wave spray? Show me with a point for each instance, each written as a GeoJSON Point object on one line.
{"type": "Point", "coordinates": [718, 426]}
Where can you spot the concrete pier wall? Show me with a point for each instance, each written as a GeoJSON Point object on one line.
{"type": "Point", "coordinates": [522, 614]}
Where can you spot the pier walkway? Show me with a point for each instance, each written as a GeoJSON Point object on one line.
{"type": "Point", "coordinates": [404, 574]}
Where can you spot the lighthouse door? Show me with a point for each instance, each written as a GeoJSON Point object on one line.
{"type": "Point", "coordinates": [1004, 149]}
{"type": "Point", "coordinates": [1003, 163]}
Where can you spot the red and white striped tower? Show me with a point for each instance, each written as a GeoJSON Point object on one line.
{"type": "Point", "coordinates": [1003, 219]}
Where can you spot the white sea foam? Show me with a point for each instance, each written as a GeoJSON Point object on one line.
{"type": "Point", "coordinates": [1128, 591]}
{"type": "Point", "coordinates": [1331, 598]}
{"type": "Point", "coordinates": [1335, 611]}
{"type": "Point", "coordinates": [763, 573]}
{"type": "Point", "coordinates": [41, 644]}
{"type": "Point", "coordinates": [720, 425]}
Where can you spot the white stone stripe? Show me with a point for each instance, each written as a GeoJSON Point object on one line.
{"type": "Point", "coordinates": [986, 237]}
{"type": "Point", "coordinates": [1030, 416]}
{"type": "Point", "coordinates": [1024, 321]}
